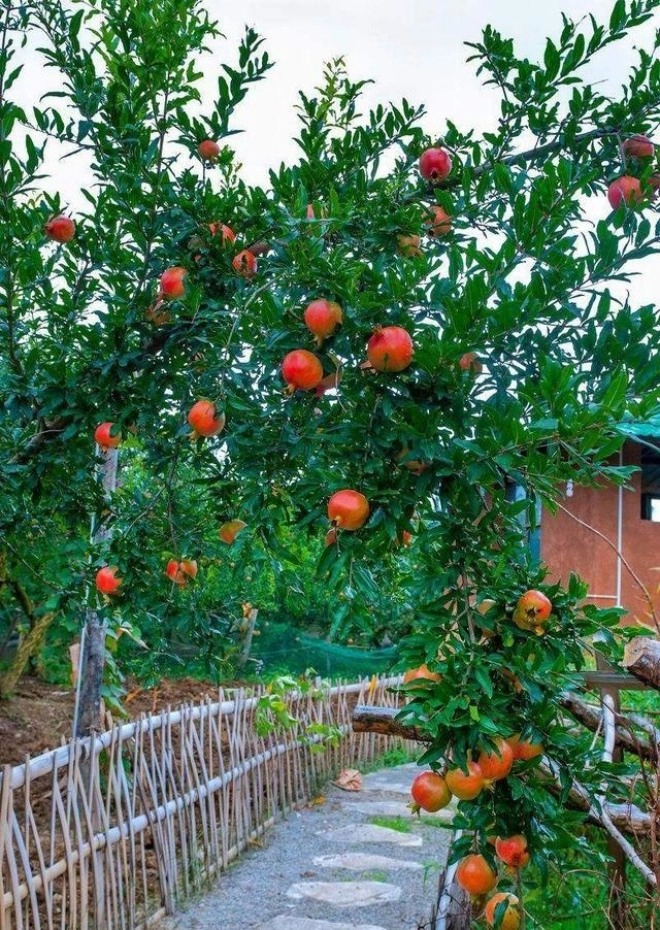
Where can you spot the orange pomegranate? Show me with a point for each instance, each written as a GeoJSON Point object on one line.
{"type": "Point", "coordinates": [475, 875]}
{"type": "Point", "coordinates": [230, 530]}
{"type": "Point", "coordinates": [106, 436]}
{"type": "Point", "coordinates": [409, 245]}
{"type": "Point", "coordinates": [172, 282]}
{"type": "Point", "coordinates": [107, 581]}
{"type": "Point", "coordinates": [245, 263]}
{"type": "Point", "coordinates": [532, 611]}
{"type": "Point", "coordinates": [438, 222]}
{"type": "Point", "coordinates": [466, 785]}
{"type": "Point", "coordinates": [180, 572]}
{"type": "Point", "coordinates": [204, 418]}
{"type": "Point", "coordinates": [524, 749]}
{"type": "Point", "coordinates": [496, 765]}
{"type": "Point", "coordinates": [510, 915]}
{"type": "Point", "coordinates": [422, 671]}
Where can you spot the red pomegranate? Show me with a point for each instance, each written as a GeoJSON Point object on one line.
{"type": "Point", "coordinates": [205, 419]}
{"type": "Point", "coordinates": [322, 317]}
{"type": "Point", "coordinates": [302, 370]}
{"type": "Point", "coordinates": [348, 509]}
{"type": "Point", "coordinates": [435, 165]}
{"type": "Point", "coordinates": [60, 228]}
{"type": "Point", "coordinates": [390, 349]}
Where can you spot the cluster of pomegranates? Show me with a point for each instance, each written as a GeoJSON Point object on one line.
{"type": "Point", "coordinates": [628, 189]}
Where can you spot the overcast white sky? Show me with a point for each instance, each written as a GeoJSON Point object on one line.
{"type": "Point", "coordinates": [410, 48]}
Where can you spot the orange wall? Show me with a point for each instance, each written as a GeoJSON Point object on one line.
{"type": "Point", "coordinates": [567, 546]}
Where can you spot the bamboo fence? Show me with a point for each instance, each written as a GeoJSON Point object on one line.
{"type": "Point", "coordinates": [109, 832]}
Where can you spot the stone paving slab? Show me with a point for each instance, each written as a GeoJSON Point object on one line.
{"type": "Point", "coordinates": [364, 862]}
{"type": "Point", "coordinates": [346, 894]}
{"type": "Point", "coordinates": [356, 833]}
{"type": "Point", "coordinates": [388, 782]}
{"type": "Point", "coordinates": [285, 922]}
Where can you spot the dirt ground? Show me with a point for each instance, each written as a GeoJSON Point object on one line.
{"type": "Point", "coordinates": [40, 716]}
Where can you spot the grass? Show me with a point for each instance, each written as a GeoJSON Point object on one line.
{"type": "Point", "coordinates": [401, 824]}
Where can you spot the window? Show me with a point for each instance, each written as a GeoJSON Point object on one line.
{"type": "Point", "coordinates": [650, 484]}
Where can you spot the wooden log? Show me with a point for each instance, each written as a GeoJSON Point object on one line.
{"type": "Point", "coordinates": [642, 659]}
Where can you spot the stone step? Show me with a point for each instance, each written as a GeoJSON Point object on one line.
{"type": "Point", "coordinates": [286, 922]}
{"type": "Point", "coordinates": [346, 894]}
{"type": "Point", "coordinates": [370, 833]}
{"type": "Point", "coordinates": [361, 862]}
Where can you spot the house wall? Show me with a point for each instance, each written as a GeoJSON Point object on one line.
{"type": "Point", "coordinates": [568, 546]}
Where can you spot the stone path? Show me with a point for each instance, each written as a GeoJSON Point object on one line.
{"type": "Point", "coordinates": [331, 867]}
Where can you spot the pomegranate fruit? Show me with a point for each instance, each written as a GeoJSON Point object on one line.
{"type": "Point", "coordinates": [439, 222]}
{"type": "Point", "coordinates": [638, 146]}
{"type": "Point", "coordinates": [245, 263]}
{"type": "Point", "coordinates": [204, 418]}
{"type": "Point", "coordinates": [208, 150]}
{"type": "Point", "coordinates": [496, 765]}
{"type": "Point", "coordinates": [469, 361]}
{"type": "Point", "coordinates": [328, 383]}
{"type": "Point", "coordinates": [227, 233]}
{"type": "Point", "coordinates": [181, 572]}
{"type": "Point", "coordinates": [512, 850]}
{"type": "Point", "coordinates": [422, 671]}
{"type": "Point", "coordinates": [172, 282]}
{"type": "Point", "coordinates": [475, 875]}
{"type": "Point", "coordinates": [60, 228]}
{"type": "Point", "coordinates": [524, 749]}
{"type": "Point", "coordinates": [322, 317]}
{"type": "Point", "coordinates": [409, 245]}
{"type": "Point", "coordinates": [430, 792]}
{"type": "Point", "coordinates": [302, 370]}
{"type": "Point", "coordinates": [230, 530]}
{"type": "Point", "coordinates": [106, 436]}
{"type": "Point", "coordinates": [107, 581]}
{"type": "Point", "coordinates": [625, 189]}
{"type": "Point", "coordinates": [348, 509]}
{"type": "Point", "coordinates": [532, 611]}
{"type": "Point", "coordinates": [390, 349]}
{"type": "Point", "coordinates": [510, 916]}
{"type": "Point", "coordinates": [435, 165]}
{"type": "Point", "coordinates": [466, 786]}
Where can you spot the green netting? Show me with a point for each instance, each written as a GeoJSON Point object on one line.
{"type": "Point", "coordinates": [282, 648]}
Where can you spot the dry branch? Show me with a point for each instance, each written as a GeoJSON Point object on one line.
{"type": "Point", "coordinates": [642, 659]}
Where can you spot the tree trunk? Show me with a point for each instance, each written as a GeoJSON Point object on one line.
{"type": "Point", "coordinates": [88, 716]}
{"type": "Point", "coordinates": [27, 648]}
{"type": "Point", "coordinates": [642, 659]}
{"type": "Point", "coordinates": [247, 630]}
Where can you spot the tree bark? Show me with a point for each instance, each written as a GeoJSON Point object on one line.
{"type": "Point", "coordinates": [642, 659]}
{"type": "Point", "coordinates": [28, 647]}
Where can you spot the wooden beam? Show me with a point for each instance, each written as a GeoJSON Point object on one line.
{"type": "Point", "coordinates": [642, 657]}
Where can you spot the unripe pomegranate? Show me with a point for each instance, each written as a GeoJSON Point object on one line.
{"type": "Point", "coordinates": [60, 228]}
{"type": "Point", "coordinates": [230, 530]}
{"type": "Point", "coordinates": [205, 419]}
{"type": "Point", "coordinates": [466, 787]}
{"type": "Point", "coordinates": [172, 282]}
{"type": "Point", "coordinates": [511, 917]}
{"type": "Point", "coordinates": [475, 875]}
{"type": "Point", "coordinates": [107, 581]}
{"type": "Point", "coordinates": [496, 765]}
{"type": "Point", "coordinates": [435, 165]}
{"type": "Point", "coordinates": [430, 792]}
{"type": "Point", "coordinates": [625, 189]}
{"type": "Point", "coordinates": [532, 611]}
{"type": "Point", "coordinates": [322, 317]}
{"type": "Point", "coordinates": [245, 263]}
{"type": "Point", "coordinates": [105, 437]}
{"type": "Point", "coordinates": [208, 150]}
{"type": "Point", "coordinates": [439, 223]}
{"type": "Point", "coordinates": [227, 233]}
{"type": "Point", "coordinates": [348, 509]}
{"type": "Point", "coordinates": [638, 146]}
{"type": "Point", "coordinates": [409, 245]}
{"type": "Point", "coordinates": [301, 370]}
{"type": "Point", "coordinates": [390, 349]}
{"type": "Point", "coordinates": [512, 850]}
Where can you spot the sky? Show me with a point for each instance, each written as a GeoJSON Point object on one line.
{"type": "Point", "coordinates": [410, 48]}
